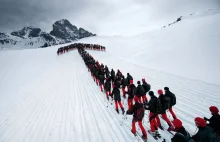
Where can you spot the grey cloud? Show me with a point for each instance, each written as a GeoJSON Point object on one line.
{"type": "Point", "coordinates": [106, 17]}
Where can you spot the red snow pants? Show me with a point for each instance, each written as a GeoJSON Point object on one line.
{"type": "Point", "coordinates": [123, 91]}
{"type": "Point", "coordinates": [153, 122]}
{"type": "Point", "coordinates": [173, 114]}
{"type": "Point", "coordinates": [140, 125]}
{"type": "Point", "coordinates": [144, 98]}
{"type": "Point", "coordinates": [101, 87]}
{"type": "Point", "coordinates": [164, 116]}
{"type": "Point", "coordinates": [116, 105]}
{"type": "Point", "coordinates": [130, 103]}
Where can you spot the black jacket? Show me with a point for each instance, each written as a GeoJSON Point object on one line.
{"type": "Point", "coordinates": [101, 79]}
{"type": "Point", "coordinates": [172, 99]}
{"type": "Point", "coordinates": [129, 77]}
{"type": "Point", "coordinates": [153, 104]}
{"type": "Point", "coordinates": [146, 87]}
{"type": "Point", "coordinates": [140, 91]}
{"type": "Point", "coordinates": [205, 134]}
{"type": "Point", "coordinates": [134, 110]}
{"type": "Point", "coordinates": [214, 123]}
{"type": "Point", "coordinates": [107, 86]}
{"type": "Point", "coordinates": [124, 82]}
{"type": "Point", "coordinates": [116, 93]}
{"type": "Point", "coordinates": [131, 91]}
{"type": "Point", "coordinates": [162, 103]}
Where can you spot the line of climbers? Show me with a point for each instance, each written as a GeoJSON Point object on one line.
{"type": "Point", "coordinates": [111, 83]}
{"type": "Point", "coordinates": [71, 47]}
{"type": "Point", "coordinates": [208, 129]}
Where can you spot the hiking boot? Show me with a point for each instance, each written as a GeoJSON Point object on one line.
{"type": "Point", "coordinates": [144, 137]}
{"type": "Point", "coordinates": [123, 110]}
{"type": "Point", "coordinates": [161, 127]}
{"type": "Point", "coordinates": [171, 128]}
{"type": "Point", "coordinates": [117, 111]}
{"type": "Point", "coordinates": [133, 132]}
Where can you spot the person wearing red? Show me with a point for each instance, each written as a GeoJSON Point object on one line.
{"type": "Point", "coordinates": [153, 116]}
{"type": "Point", "coordinates": [138, 115]}
{"type": "Point", "coordinates": [107, 88]}
{"type": "Point", "coordinates": [124, 83]}
{"type": "Point", "coordinates": [163, 110]}
{"type": "Point", "coordinates": [170, 101]}
{"type": "Point", "coordinates": [147, 88]}
{"type": "Point", "coordinates": [181, 134]}
{"type": "Point", "coordinates": [140, 92]}
{"type": "Point", "coordinates": [205, 133]}
{"type": "Point", "coordinates": [131, 93]}
{"type": "Point", "coordinates": [117, 98]}
{"type": "Point", "coordinates": [214, 121]}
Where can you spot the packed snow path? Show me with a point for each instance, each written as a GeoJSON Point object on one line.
{"type": "Point", "coordinates": [50, 98]}
{"type": "Point", "coordinates": [61, 105]}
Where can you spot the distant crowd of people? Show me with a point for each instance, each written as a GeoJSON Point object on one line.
{"type": "Point", "coordinates": [110, 82]}
{"type": "Point", "coordinates": [68, 48]}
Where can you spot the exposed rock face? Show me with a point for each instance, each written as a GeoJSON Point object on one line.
{"type": "Point", "coordinates": [63, 32]}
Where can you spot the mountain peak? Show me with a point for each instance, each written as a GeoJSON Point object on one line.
{"type": "Point", "coordinates": [27, 32]}
{"type": "Point", "coordinates": [63, 32]}
{"type": "Point", "coordinates": [63, 21]}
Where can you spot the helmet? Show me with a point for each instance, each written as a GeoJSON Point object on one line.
{"type": "Point", "coordinates": [214, 109]}
{"type": "Point", "coordinates": [160, 92]}
{"type": "Point", "coordinates": [200, 122]}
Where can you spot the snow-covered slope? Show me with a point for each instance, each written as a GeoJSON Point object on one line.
{"type": "Point", "coordinates": [53, 99]}
{"type": "Point", "coordinates": [188, 48]}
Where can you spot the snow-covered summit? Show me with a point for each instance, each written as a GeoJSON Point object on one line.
{"type": "Point", "coordinates": [30, 37]}
{"type": "Point", "coordinates": [63, 29]}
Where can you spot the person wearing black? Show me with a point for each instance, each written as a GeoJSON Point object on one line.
{"type": "Point", "coordinates": [117, 98]}
{"type": "Point", "coordinates": [171, 101]}
{"type": "Point", "coordinates": [129, 78]}
{"type": "Point", "coordinates": [205, 133]}
{"type": "Point", "coordinates": [131, 92]}
{"type": "Point", "coordinates": [101, 81]}
{"type": "Point", "coordinates": [107, 88]}
{"type": "Point", "coordinates": [153, 116]}
{"type": "Point", "coordinates": [214, 121]}
{"type": "Point", "coordinates": [181, 134]}
{"type": "Point", "coordinates": [138, 115]}
{"type": "Point", "coordinates": [147, 88]}
{"type": "Point", "coordinates": [140, 91]}
{"type": "Point", "coordinates": [124, 83]}
{"type": "Point", "coordinates": [163, 110]}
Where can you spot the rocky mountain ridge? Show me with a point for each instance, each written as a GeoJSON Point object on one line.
{"type": "Point", "coordinates": [30, 37]}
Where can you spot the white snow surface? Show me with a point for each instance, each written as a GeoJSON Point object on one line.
{"type": "Point", "coordinates": [189, 48]}
{"type": "Point", "coordinates": [49, 98]}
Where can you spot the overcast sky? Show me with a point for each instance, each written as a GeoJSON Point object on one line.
{"type": "Point", "coordinates": [103, 17]}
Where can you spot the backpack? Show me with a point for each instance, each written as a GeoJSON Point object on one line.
{"type": "Point", "coordinates": [140, 113]}
{"type": "Point", "coordinates": [148, 87]}
{"type": "Point", "coordinates": [167, 102]}
{"type": "Point", "coordinates": [173, 99]}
